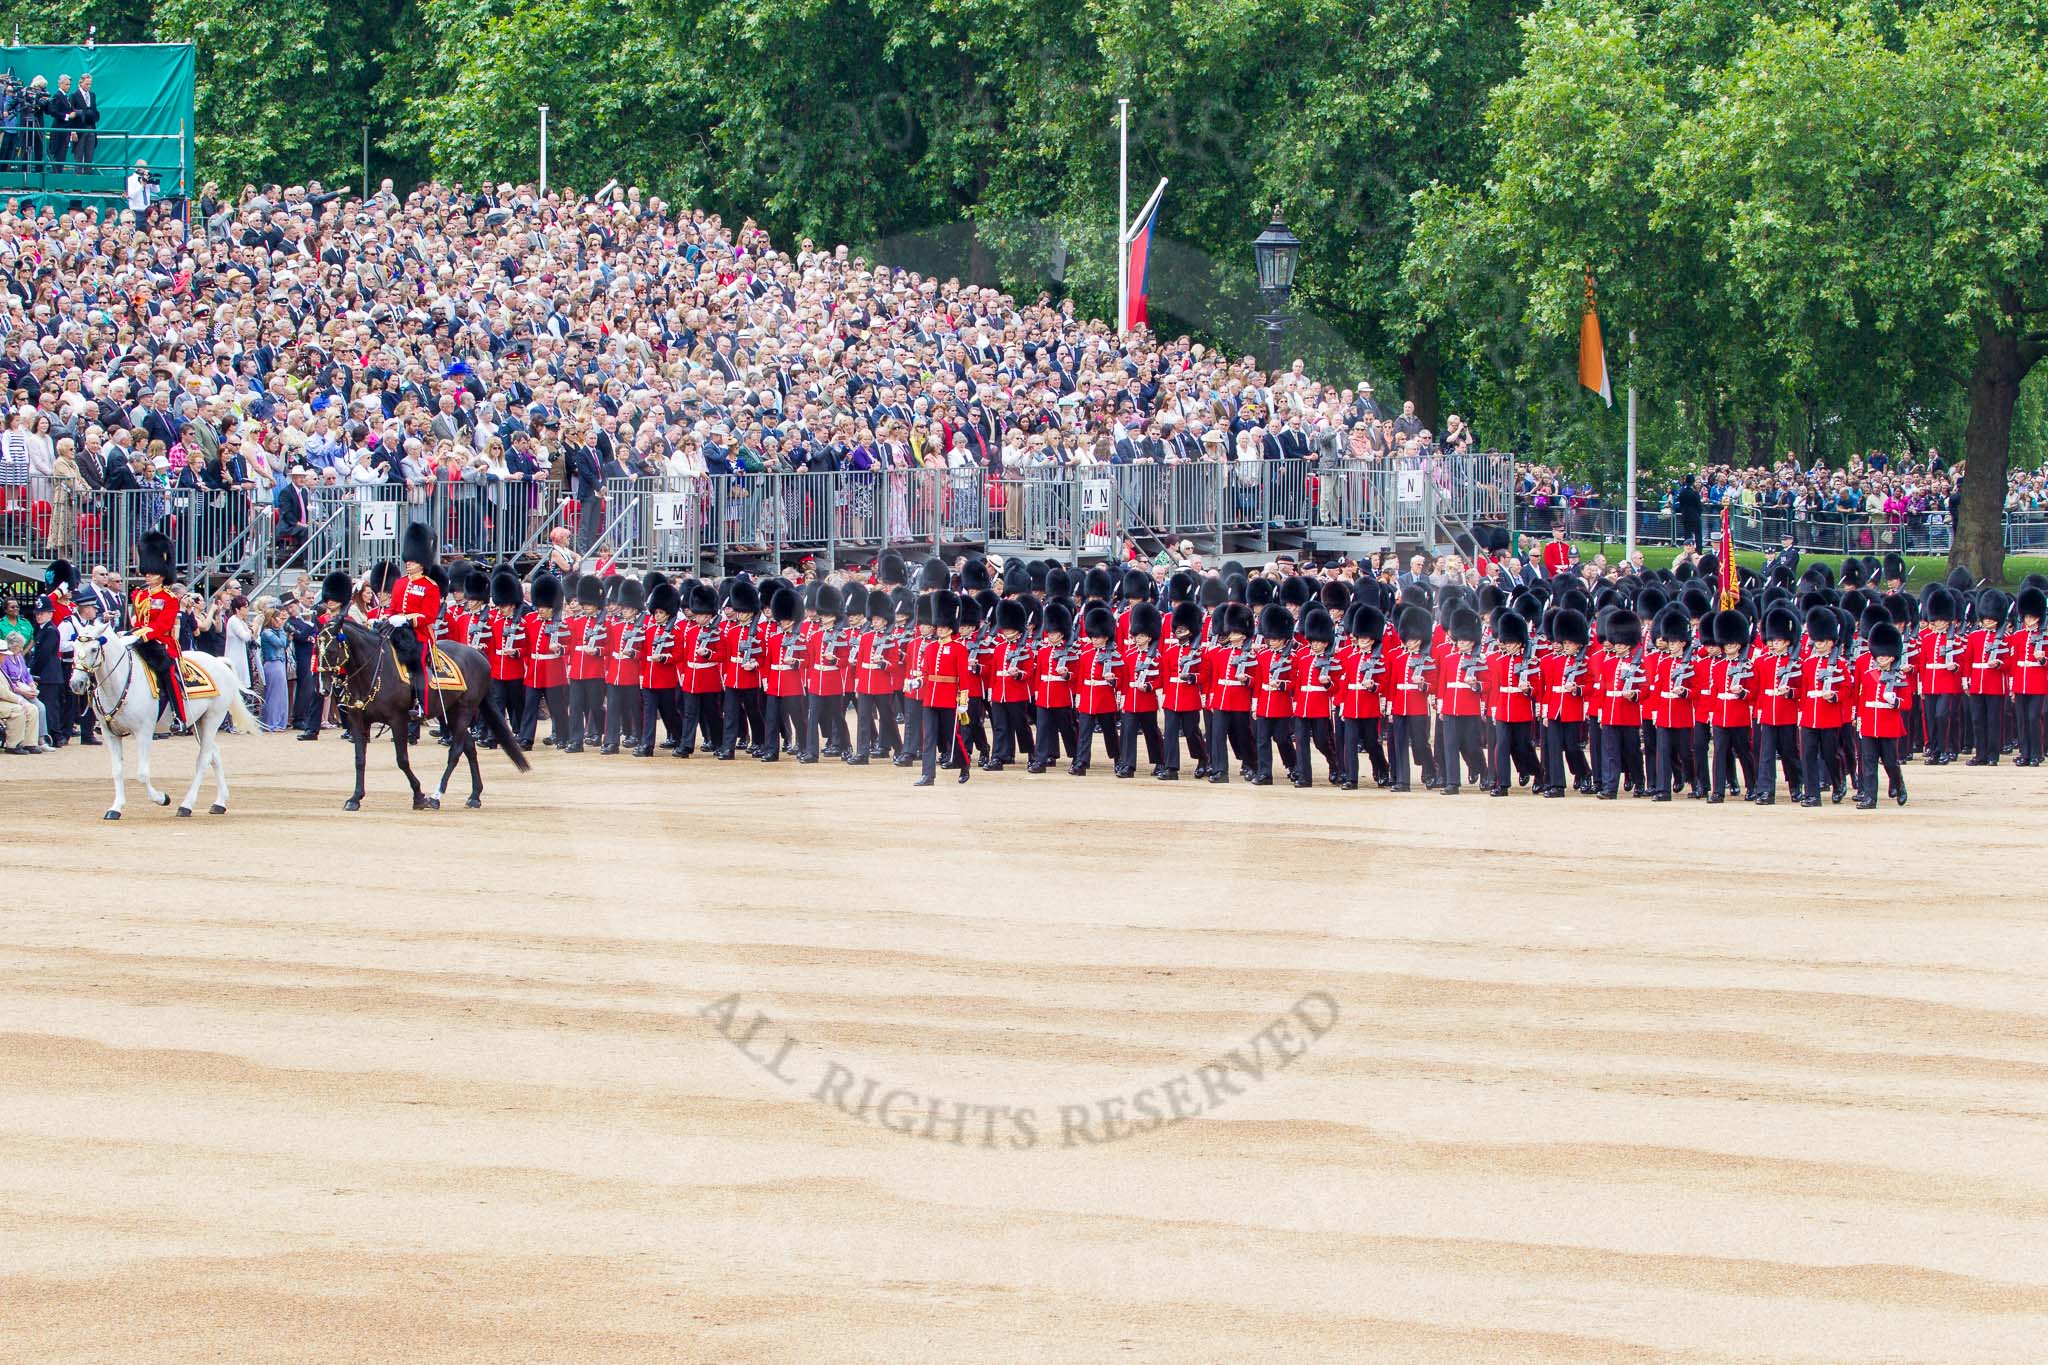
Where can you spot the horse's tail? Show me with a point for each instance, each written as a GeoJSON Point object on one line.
{"type": "Point", "coordinates": [239, 712]}
{"type": "Point", "coordinates": [502, 732]}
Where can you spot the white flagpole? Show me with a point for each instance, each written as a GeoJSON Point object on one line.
{"type": "Point", "coordinates": [543, 149]}
{"type": "Point", "coordinates": [1123, 205]}
{"type": "Point", "coordinates": [1630, 546]}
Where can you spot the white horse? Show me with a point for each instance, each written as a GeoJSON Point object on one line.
{"type": "Point", "coordinates": [104, 662]}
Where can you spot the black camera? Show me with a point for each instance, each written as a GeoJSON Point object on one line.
{"type": "Point", "coordinates": [151, 178]}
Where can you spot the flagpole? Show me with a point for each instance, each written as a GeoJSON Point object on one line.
{"type": "Point", "coordinates": [1123, 206]}
{"type": "Point", "coordinates": [1629, 548]}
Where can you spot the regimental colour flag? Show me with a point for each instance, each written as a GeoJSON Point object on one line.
{"type": "Point", "coordinates": [1593, 355]}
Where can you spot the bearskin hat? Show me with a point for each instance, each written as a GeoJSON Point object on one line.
{"type": "Point", "coordinates": [1181, 586]}
{"type": "Point", "coordinates": [1137, 586]}
{"type": "Point", "coordinates": [785, 606]}
{"type": "Point", "coordinates": [701, 601]}
{"type": "Point", "coordinates": [1649, 601]}
{"type": "Point", "coordinates": [1570, 627]}
{"type": "Point", "coordinates": [1489, 599]}
{"type": "Point", "coordinates": [880, 602]}
{"type": "Point", "coordinates": [1903, 610]}
{"type": "Point", "coordinates": [974, 575]}
{"type": "Point", "coordinates": [889, 568]}
{"type": "Point", "coordinates": [933, 576]}
{"type": "Point", "coordinates": [1145, 620]}
{"type": "Point", "coordinates": [589, 590]}
{"type": "Point", "coordinates": [153, 555]}
{"type": "Point", "coordinates": [1237, 619]}
{"type": "Point", "coordinates": [1731, 628]}
{"type": "Point", "coordinates": [1016, 575]}
{"type": "Point", "coordinates": [2031, 602]}
{"type": "Point", "coordinates": [1260, 592]}
{"type": "Point", "coordinates": [1365, 622]}
{"type": "Point", "coordinates": [1512, 629]}
{"type": "Point", "coordinates": [1894, 566]}
{"type": "Point", "coordinates": [1058, 582]}
{"type": "Point", "coordinates": [1781, 624]}
{"type": "Point", "coordinates": [666, 598]}
{"type": "Point", "coordinates": [1851, 575]}
{"type": "Point", "coordinates": [1623, 627]}
{"type": "Point", "coordinates": [505, 589]}
{"type": "Point", "coordinates": [1210, 594]}
{"type": "Point", "coordinates": [417, 546]}
{"type": "Point", "coordinates": [1012, 614]}
{"type": "Point", "coordinates": [337, 588]}
{"type": "Point", "coordinates": [547, 593]}
{"type": "Point", "coordinates": [830, 603]}
{"type": "Point", "coordinates": [854, 602]}
{"type": "Point", "coordinates": [1992, 605]}
{"type": "Point", "coordinates": [62, 573]}
{"type": "Point", "coordinates": [383, 574]}
{"type": "Point", "coordinates": [1416, 625]}
{"type": "Point", "coordinates": [1463, 626]}
{"type": "Point", "coordinates": [1697, 603]}
{"type": "Point", "coordinates": [1231, 568]}
{"type": "Point", "coordinates": [1709, 565]}
{"type": "Point", "coordinates": [1059, 620]}
{"type": "Point", "coordinates": [745, 598]}
{"type": "Point", "coordinates": [927, 606]}
{"type": "Point", "coordinates": [1334, 598]}
{"type": "Point", "coordinates": [1317, 626]}
{"type": "Point", "coordinates": [1822, 624]}
{"type": "Point", "coordinates": [1887, 640]}
{"type": "Point", "coordinates": [1275, 623]}
{"type": "Point", "coordinates": [1294, 592]}
{"type": "Point", "coordinates": [476, 586]}
{"type": "Point", "coordinates": [1098, 624]}
{"type": "Point", "coordinates": [1187, 618]}
{"type": "Point", "coordinates": [1096, 583]}
{"type": "Point", "coordinates": [1939, 604]}
{"type": "Point", "coordinates": [1674, 624]}
{"type": "Point", "coordinates": [1418, 595]}
{"type": "Point", "coordinates": [1707, 635]}
{"type": "Point", "coordinates": [969, 614]}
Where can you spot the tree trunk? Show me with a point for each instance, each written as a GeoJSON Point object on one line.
{"type": "Point", "coordinates": [1979, 544]}
{"type": "Point", "coordinates": [1762, 435]}
{"type": "Point", "coordinates": [1720, 434]}
{"type": "Point", "coordinates": [1419, 380]}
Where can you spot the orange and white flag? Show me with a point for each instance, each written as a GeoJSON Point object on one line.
{"type": "Point", "coordinates": [1593, 355]}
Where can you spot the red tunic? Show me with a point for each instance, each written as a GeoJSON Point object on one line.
{"type": "Point", "coordinates": [1052, 681]}
{"type": "Point", "coordinates": [586, 648]}
{"type": "Point", "coordinates": [1315, 678]}
{"type": "Point", "coordinates": [942, 664]}
{"type": "Point", "coordinates": [416, 595]}
{"type": "Point", "coordinates": [2028, 675]}
{"type": "Point", "coordinates": [657, 653]}
{"type": "Point", "coordinates": [781, 671]}
{"type": "Point", "coordinates": [1361, 673]}
{"type": "Point", "coordinates": [1459, 685]}
{"type": "Point", "coordinates": [1227, 672]}
{"type": "Point", "coordinates": [1180, 676]}
{"type": "Point", "coordinates": [1931, 675]}
{"type": "Point", "coordinates": [1880, 710]}
{"type": "Point", "coordinates": [1007, 669]}
{"type": "Point", "coordinates": [731, 672]}
{"type": "Point", "coordinates": [155, 614]}
{"type": "Point", "coordinates": [1408, 680]}
{"type": "Point", "coordinates": [506, 646]}
{"type": "Point", "coordinates": [1137, 678]}
{"type": "Point", "coordinates": [1095, 675]}
{"type": "Point", "coordinates": [1824, 712]}
{"type": "Point", "coordinates": [1984, 676]}
{"type": "Point", "coordinates": [547, 660]}
{"type": "Point", "coordinates": [625, 655]}
{"type": "Point", "coordinates": [1273, 682]}
{"type": "Point", "coordinates": [1513, 701]}
{"type": "Point", "coordinates": [1562, 701]}
{"type": "Point", "coordinates": [698, 664]}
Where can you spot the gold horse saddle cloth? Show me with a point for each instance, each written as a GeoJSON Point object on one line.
{"type": "Point", "coordinates": [442, 672]}
{"type": "Point", "coordinates": [197, 682]}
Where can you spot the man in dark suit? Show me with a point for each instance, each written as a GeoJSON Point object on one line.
{"type": "Point", "coordinates": [1689, 507]}
{"type": "Point", "coordinates": [586, 480]}
{"type": "Point", "coordinates": [294, 509]}
{"type": "Point", "coordinates": [85, 122]}
{"type": "Point", "coordinates": [307, 703]}
{"type": "Point", "coordinates": [60, 123]}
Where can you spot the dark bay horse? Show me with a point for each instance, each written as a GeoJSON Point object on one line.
{"type": "Point", "coordinates": [359, 662]}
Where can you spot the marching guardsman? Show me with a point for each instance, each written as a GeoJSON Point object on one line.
{"type": "Point", "coordinates": [153, 613]}
{"type": "Point", "coordinates": [506, 644]}
{"type": "Point", "coordinates": [1824, 702]}
{"type": "Point", "coordinates": [1315, 683]}
{"type": "Point", "coordinates": [1986, 661]}
{"type": "Point", "coordinates": [1095, 685]}
{"type": "Point", "coordinates": [974, 639]}
{"type": "Point", "coordinates": [1271, 692]}
{"type": "Point", "coordinates": [1671, 683]}
{"type": "Point", "coordinates": [585, 641]}
{"type": "Point", "coordinates": [781, 669]}
{"type": "Point", "coordinates": [914, 622]}
{"type": "Point", "coordinates": [739, 646]}
{"type": "Point", "coordinates": [699, 667]}
{"type": "Point", "coordinates": [1514, 682]}
{"type": "Point", "coordinates": [942, 664]}
{"type": "Point", "coordinates": [1361, 678]}
{"type": "Point", "coordinates": [1007, 673]}
{"type": "Point", "coordinates": [824, 729]}
{"type": "Point", "coordinates": [1180, 693]}
{"type": "Point", "coordinates": [1779, 674]}
{"type": "Point", "coordinates": [2029, 673]}
{"type": "Point", "coordinates": [661, 696]}
{"type": "Point", "coordinates": [1564, 685]}
{"type": "Point", "coordinates": [1883, 690]}
{"type": "Point", "coordinates": [1138, 686]}
{"type": "Point", "coordinates": [1052, 688]}
{"type": "Point", "coordinates": [1728, 700]}
{"type": "Point", "coordinates": [624, 664]}
{"type": "Point", "coordinates": [875, 683]}
{"type": "Point", "coordinates": [1460, 688]}
{"type": "Point", "coordinates": [1407, 685]}
{"type": "Point", "coordinates": [415, 607]}
{"type": "Point", "coordinates": [1227, 664]}
{"type": "Point", "coordinates": [547, 665]}
{"type": "Point", "coordinates": [1620, 678]}
{"type": "Point", "coordinates": [458, 615]}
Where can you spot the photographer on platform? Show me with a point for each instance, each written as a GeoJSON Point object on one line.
{"type": "Point", "coordinates": [143, 187]}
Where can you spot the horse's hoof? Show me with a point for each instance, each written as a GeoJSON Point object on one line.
{"type": "Point", "coordinates": [184, 812]}
{"type": "Point", "coordinates": [475, 803]}
{"type": "Point", "coordinates": [420, 803]}
{"type": "Point", "coordinates": [351, 804]}
{"type": "Point", "coordinates": [111, 815]}
{"type": "Point", "coordinates": [217, 809]}
{"type": "Point", "coordinates": [433, 803]}
{"type": "Point", "coordinates": [163, 800]}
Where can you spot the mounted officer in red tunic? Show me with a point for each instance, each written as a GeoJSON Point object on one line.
{"type": "Point", "coordinates": [415, 606]}
{"type": "Point", "coordinates": [154, 610]}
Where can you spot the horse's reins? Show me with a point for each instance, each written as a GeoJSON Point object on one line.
{"type": "Point", "coordinates": [107, 713]}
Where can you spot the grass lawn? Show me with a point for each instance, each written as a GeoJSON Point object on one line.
{"type": "Point", "coordinates": [1920, 569]}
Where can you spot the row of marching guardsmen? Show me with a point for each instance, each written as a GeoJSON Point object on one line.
{"type": "Point", "coordinates": [1652, 692]}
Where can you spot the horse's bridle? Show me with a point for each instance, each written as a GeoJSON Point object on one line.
{"type": "Point", "coordinates": [347, 698]}
{"type": "Point", "coordinates": [105, 712]}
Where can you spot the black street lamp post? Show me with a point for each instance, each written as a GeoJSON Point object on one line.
{"type": "Point", "coordinates": [1276, 251]}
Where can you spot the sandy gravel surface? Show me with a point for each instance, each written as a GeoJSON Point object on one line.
{"type": "Point", "coordinates": [664, 1060]}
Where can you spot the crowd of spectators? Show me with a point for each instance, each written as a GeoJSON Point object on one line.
{"type": "Point", "coordinates": [481, 340]}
